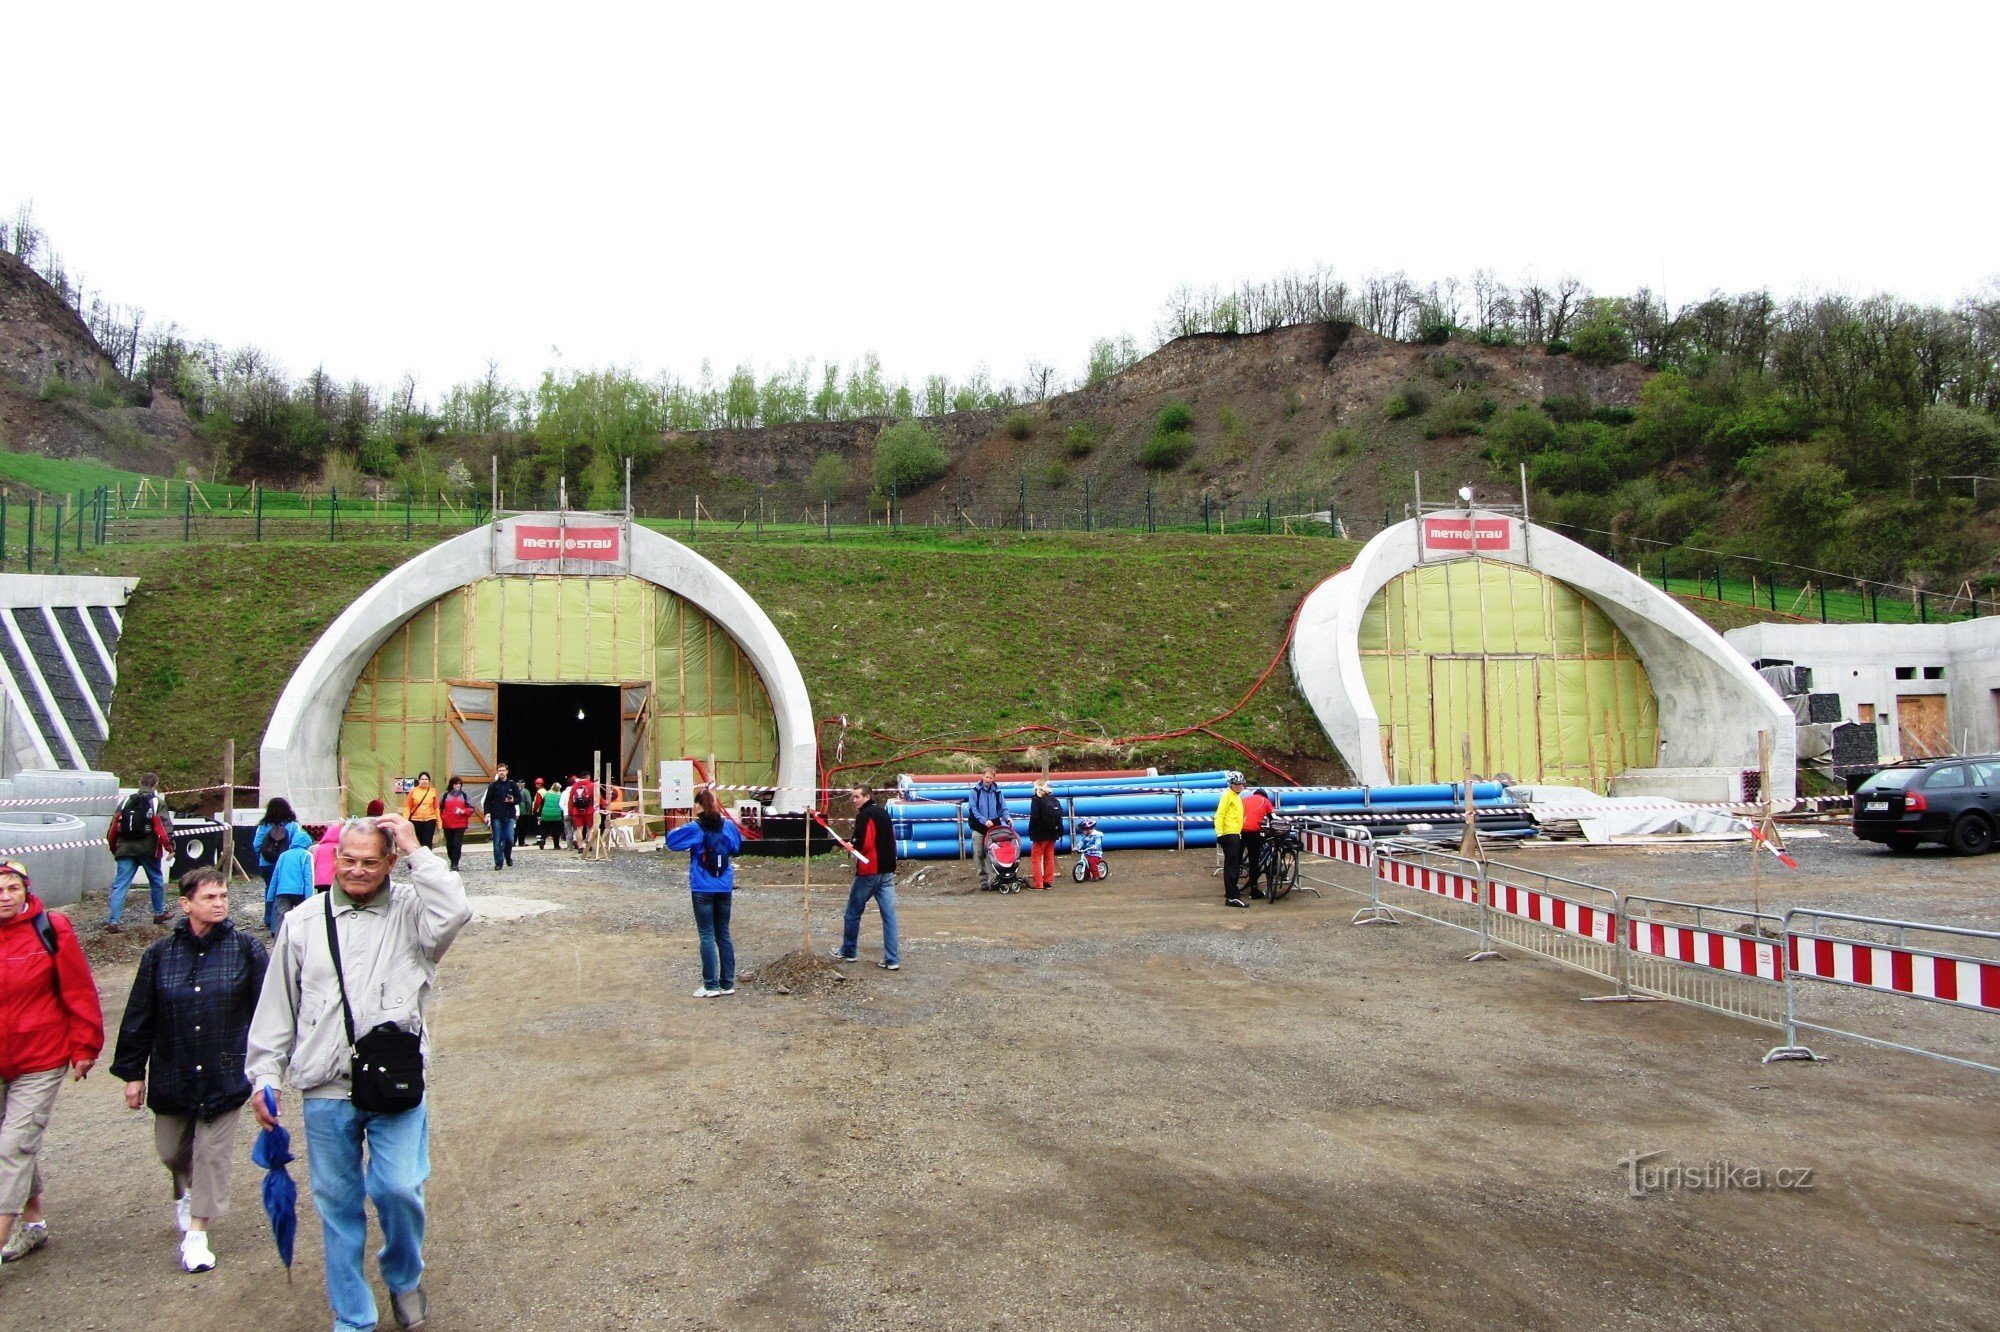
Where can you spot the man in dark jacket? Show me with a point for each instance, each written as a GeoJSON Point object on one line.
{"type": "Point", "coordinates": [503, 806]}
{"type": "Point", "coordinates": [874, 876]}
{"type": "Point", "coordinates": [180, 1051]}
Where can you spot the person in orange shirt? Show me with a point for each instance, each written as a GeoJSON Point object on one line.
{"type": "Point", "coordinates": [1256, 808]}
{"type": "Point", "coordinates": [420, 807]}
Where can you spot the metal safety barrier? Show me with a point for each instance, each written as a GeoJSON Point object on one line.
{"type": "Point", "coordinates": [1932, 964]}
{"type": "Point", "coordinates": [1451, 889]}
{"type": "Point", "coordinates": [1569, 922]}
{"type": "Point", "coordinates": [1725, 960]}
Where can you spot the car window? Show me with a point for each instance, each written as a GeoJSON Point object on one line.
{"type": "Point", "coordinates": [1985, 774]}
{"type": "Point", "coordinates": [1946, 778]}
{"type": "Point", "coordinates": [1892, 779]}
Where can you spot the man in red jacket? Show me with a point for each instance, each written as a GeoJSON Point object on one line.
{"type": "Point", "coordinates": [874, 876]}
{"type": "Point", "coordinates": [1256, 808]}
{"type": "Point", "coordinates": [50, 1025]}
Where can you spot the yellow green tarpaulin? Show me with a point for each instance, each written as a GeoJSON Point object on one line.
{"type": "Point", "coordinates": [424, 701]}
{"type": "Point", "coordinates": [1545, 686]}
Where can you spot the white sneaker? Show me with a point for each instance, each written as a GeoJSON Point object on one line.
{"type": "Point", "coordinates": [705, 993]}
{"type": "Point", "coordinates": [727, 989]}
{"type": "Point", "coordinates": [184, 1211]}
{"type": "Point", "coordinates": [27, 1237]}
{"type": "Point", "coordinates": [195, 1253]}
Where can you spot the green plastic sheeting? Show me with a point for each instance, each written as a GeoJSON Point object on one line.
{"type": "Point", "coordinates": [1545, 686]}
{"type": "Point", "coordinates": [425, 700]}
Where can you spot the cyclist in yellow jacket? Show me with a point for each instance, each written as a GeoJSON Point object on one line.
{"type": "Point", "coordinates": [1229, 836]}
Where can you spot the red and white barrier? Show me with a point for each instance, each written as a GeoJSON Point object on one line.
{"type": "Point", "coordinates": [1444, 883]}
{"type": "Point", "coordinates": [1342, 849]}
{"type": "Point", "coordinates": [1557, 913]}
{"type": "Point", "coordinates": [1967, 982]}
{"type": "Point", "coordinates": [1717, 949]}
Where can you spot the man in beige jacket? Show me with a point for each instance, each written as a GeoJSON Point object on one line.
{"type": "Point", "coordinates": [391, 937]}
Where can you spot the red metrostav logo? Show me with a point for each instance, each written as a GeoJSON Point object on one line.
{"type": "Point", "coordinates": [1467, 534]}
{"type": "Point", "coordinates": [565, 543]}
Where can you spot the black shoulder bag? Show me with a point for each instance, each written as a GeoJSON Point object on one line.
{"type": "Point", "coordinates": [387, 1076]}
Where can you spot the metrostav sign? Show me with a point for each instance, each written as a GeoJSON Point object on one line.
{"type": "Point", "coordinates": [565, 543]}
{"type": "Point", "coordinates": [1463, 533]}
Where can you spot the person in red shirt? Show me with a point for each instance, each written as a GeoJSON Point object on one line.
{"type": "Point", "coordinates": [455, 815]}
{"type": "Point", "coordinates": [582, 810]}
{"type": "Point", "coordinates": [1256, 808]}
{"type": "Point", "coordinates": [874, 876]}
{"type": "Point", "coordinates": [50, 1025]}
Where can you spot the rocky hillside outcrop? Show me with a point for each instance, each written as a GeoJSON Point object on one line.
{"type": "Point", "coordinates": [62, 397]}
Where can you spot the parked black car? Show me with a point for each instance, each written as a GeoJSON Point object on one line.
{"type": "Point", "coordinates": [1951, 800]}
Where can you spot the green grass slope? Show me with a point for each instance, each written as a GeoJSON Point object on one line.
{"type": "Point", "coordinates": [921, 643]}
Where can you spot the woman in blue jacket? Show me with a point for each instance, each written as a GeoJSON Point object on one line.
{"type": "Point", "coordinates": [711, 842]}
{"type": "Point", "coordinates": [277, 832]}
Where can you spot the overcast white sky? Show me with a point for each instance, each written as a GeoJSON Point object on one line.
{"type": "Point", "coordinates": [418, 186]}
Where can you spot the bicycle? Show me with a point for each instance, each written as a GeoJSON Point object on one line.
{"type": "Point", "coordinates": [1278, 862]}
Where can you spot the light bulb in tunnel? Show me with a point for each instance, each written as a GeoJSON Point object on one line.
{"type": "Point", "coordinates": [579, 714]}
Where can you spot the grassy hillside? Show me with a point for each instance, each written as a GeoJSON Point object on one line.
{"type": "Point", "coordinates": [921, 643]}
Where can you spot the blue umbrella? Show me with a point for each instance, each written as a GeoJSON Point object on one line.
{"type": "Point", "coordinates": [281, 1197]}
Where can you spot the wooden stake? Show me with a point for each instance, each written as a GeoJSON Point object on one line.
{"type": "Point", "coordinates": [1468, 845]}
{"type": "Point", "coordinates": [230, 867]}
{"type": "Point", "coordinates": [806, 895]}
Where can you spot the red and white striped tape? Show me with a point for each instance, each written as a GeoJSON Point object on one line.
{"type": "Point", "coordinates": [1558, 913]}
{"type": "Point", "coordinates": [1444, 883]}
{"type": "Point", "coordinates": [9, 852]}
{"type": "Point", "coordinates": [1964, 981]}
{"type": "Point", "coordinates": [41, 802]}
{"type": "Point", "coordinates": [1339, 848]}
{"type": "Point", "coordinates": [1717, 949]}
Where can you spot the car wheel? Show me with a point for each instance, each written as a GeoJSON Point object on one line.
{"type": "Point", "coordinates": [1971, 835]}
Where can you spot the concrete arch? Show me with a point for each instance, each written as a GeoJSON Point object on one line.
{"type": "Point", "coordinates": [1711, 704]}
{"type": "Point", "coordinates": [298, 758]}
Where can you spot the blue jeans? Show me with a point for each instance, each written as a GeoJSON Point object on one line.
{"type": "Point", "coordinates": [121, 883]}
{"type": "Point", "coordinates": [503, 840]}
{"type": "Point", "coordinates": [399, 1161]}
{"type": "Point", "coordinates": [275, 909]}
{"type": "Point", "coordinates": [711, 923]}
{"type": "Point", "coordinates": [881, 887]}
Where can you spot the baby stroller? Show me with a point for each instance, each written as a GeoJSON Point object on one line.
{"type": "Point", "coordinates": [1089, 847]}
{"type": "Point", "coordinates": [1003, 852]}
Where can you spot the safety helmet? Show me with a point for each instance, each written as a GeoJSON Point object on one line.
{"type": "Point", "coordinates": [1085, 825]}
{"type": "Point", "coordinates": [1233, 777]}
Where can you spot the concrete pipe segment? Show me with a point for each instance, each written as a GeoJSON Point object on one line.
{"type": "Point", "coordinates": [58, 876]}
{"type": "Point", "coordinates": [91, 796]}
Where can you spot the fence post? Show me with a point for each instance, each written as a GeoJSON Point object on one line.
{"type": "Point", "coordinates": [1267, 517]}
{"type": "Point", "coordinates": [1024, 503]}
{"type": "Point", "coordinates": [187, 511]}
{"type": "Point", "coordinates": [332, 508]}
{"type": "Point", "coordinates": [1822, 601]}
{"type": "Point", "coordinates": [1923, 606]}
{"type": "Point", "coordinates": [1149, 507]}
{"type": "Point", "coordinates": [3, 527]}
{"type": "Point", "coordinates": [1180, 819]}
{"type": "Point", "coordinates": [57, 549]}
{"type": "Point", "coordinates": [409, 500]}
{"type": "Point", "coordinates": [257, 502]}
{"type": "Point", "coordinates": [1086, 504]}
{"type": "Point", "coordinates": [893, 516]}
{"type": "Point", "coordinates": [1332, 518]}
{"type": "Point", "coordinates": [826, 517]}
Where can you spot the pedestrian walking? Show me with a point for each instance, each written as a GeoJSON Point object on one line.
{"type": "Point", "coordinates": [711, 842]}
{"type": "Point", "coordinates": [502, 807]}
{"type": "Point", "coordinates": [291, 883]}
{"type": "Point", "coordinates": [139, 837]}
{"type": "Point", "coordinates": [550, 818]}
{"type": "Point", "coordinates": [874, 878]}
{"type": "Point", "coordinates": [455, 815]}
{"type": "Point", "coordinates": [324, 851]}
{"type": "Point", "coordinates": [582, 810]}
{"type": "Point", "coordinates": [1229, 836]}
{"type": "Point", "coordinates": [1256, 808]}
{"type": "Point", "coordinates": [420, 807]}
{"type": "Point", "coordinates": [342, 1019]}
{"type": "Point", "coordinates": [277, 832]}
{"type": "Point", "coordinates": [985, 807]}
{"type": "Point", "coordinates": [50, 1025]}
{"type": "Point", "coordinates": [1045, 827]}
{"type": "Point", "coordinates": [180, 1048]}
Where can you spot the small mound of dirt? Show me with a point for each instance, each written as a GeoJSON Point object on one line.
{"type": "Point", "coordinates": [797, 972]}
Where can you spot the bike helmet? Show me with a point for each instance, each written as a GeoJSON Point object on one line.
{"type": "Point", "coordinates": [1085, 825]}
{"type": "Point", "coordinates": [1233, 777]}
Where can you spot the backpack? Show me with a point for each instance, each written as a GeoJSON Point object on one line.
{"type": "Point", "coordinates": [45, 930]}
{"type": "Point", "coordinates": [581, 798]}
{"type": "Point", "coordinates": [277, 841]}
{"type": "Point", "coordinates": [714, 856]}
{"type": "Point", "coordinates": [135, 817]}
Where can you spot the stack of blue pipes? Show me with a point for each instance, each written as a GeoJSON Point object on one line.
{"type": "Point", "coordinates": [1169, 810]}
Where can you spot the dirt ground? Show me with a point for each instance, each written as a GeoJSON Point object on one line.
{"type": "Point", "coordinates": [1109, 1106]}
